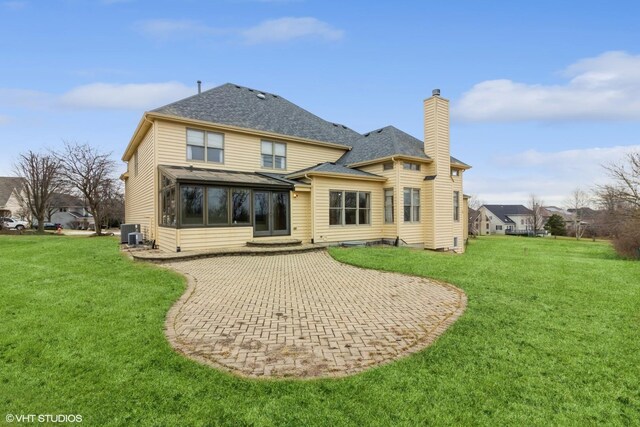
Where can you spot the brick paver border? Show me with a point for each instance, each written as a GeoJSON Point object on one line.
{"type": "Point", "coordinates": [304, 315]}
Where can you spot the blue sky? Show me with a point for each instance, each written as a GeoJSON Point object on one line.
{"type": "Point", "coordinates": [542, 93]}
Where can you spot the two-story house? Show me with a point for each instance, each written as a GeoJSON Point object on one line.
{"type": "Point", "coordinates": [504, 219]}
{"type": "Point", "coordinates": [11, 198]}
{"type": "Point", "coordinates": [234, 164]}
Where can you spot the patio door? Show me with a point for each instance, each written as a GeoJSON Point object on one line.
{"type": "Point", "coordinates": [271, 213]}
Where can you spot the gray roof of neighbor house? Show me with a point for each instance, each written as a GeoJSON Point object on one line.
{"type": "Point", "coordinates": [502, 212]}
{"type": "Point", "coordinates": [63, 200]}
{"type": "Point", "coordinates": [7, 185]}
{"type": "Point", "coordinates": [331, 167]}
{"type": "Point", "coordinates": [235, 105]}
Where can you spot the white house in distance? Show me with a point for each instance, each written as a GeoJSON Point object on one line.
{"type": "Point", "coordinates": [10, 195]}
{"type": "Point", "coordinates": [504, 219]}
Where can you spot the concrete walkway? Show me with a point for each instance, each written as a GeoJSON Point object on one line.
{"type": "Point", "coordinates": [304, 315]}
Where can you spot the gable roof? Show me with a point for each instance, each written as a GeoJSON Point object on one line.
{"type": "Point", "coordinates": [502, 212]}
{"type": "Point", "coordinates": [330, 167]}
{"type": "Point", "coordinates": [247, 108]}
{"type": "Point", "coordinates": [251, 109]}
{"type": "Point", "coordinates": [381, 143]}
{"type": "Point", "coordinates": [7, 185]}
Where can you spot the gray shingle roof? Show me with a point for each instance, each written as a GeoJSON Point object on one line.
{"type": "Point", "coordinates": [235, 105]}
{"type": "Point", "coordinates": [240, 106]}
{"type": "Point", "coordinates": [333, 168]}
{"type": "Point", "coordinates": [381, 143]}
{"type": "Point", "coordinates": [7, 185]}
{"type": "Point", "coordinates": [454, 160]}
{"type": "Point", "coordinates": [210, 176]}
{"type": "Point", "coordinates": [502, 212]}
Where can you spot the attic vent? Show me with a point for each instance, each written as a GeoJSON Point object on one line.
{"type": "Point", "coordinates": [260, 95]}
{"type": "Point", "coordinates": [237, 87]}
{"type": "Point", "coordinates": [335, 124]}
{"type": "Point", "coordinates": [366, 134]}
{"type": "Point", "coordinates": [344, 127]}
{"type": "Point", "coordinates": [250, 90]}
{"type": "Point", "coordinates": [275, 96]}
{"type": "Point", "coordinates": [379, 131]}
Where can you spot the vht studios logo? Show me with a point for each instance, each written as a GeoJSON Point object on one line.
{"type": "Point", "coordinates": [43, 418]}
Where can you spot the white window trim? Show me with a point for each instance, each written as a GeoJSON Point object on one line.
{"type": "Point", "coordinates": [206, 146]}
{"type": "Point", "coordinates": [357, 208]}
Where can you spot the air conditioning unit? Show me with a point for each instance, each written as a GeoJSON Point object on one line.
{"type": "Point", "coordinates": [135, 239]}
{"type": "Point", "coordinates": [125, 229]}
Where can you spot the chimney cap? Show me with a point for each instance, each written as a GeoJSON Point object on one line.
{"type": "Point", "coordinates": [435, 92]}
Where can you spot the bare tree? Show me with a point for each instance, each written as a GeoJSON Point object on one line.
{"type": "Point", "coordinates": [89, 173]}
{"type": "Point", "coordinates": [576, 204]}
{"type": "Point", "coordinates": [536, 219]}
{"type": "Point", "coordinates": [627, 178]}
{"type": "Point", "coordinates": [622, 200]}
{"type": "Point", "coordinates": [41, 174]}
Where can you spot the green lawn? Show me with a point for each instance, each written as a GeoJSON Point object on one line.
{"type": "Point", "coordinates": [551, 336]}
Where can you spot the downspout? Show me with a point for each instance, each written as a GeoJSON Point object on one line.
{"type": "Point", "coordinates": [313, 210]}
{"type": "Point", "coordinates": [397, 190]}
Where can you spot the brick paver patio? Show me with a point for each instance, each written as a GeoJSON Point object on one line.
{"type": "Point", "coordinates": [304, 315]}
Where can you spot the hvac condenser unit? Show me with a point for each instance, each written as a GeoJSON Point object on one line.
{"type": "Point", "coordinates": [135, 239]}
{"type": "Point", "coordinates": [125, 229]}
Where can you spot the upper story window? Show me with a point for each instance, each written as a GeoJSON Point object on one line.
{"type": "Point", "coordinates": [274, 155]}
{"type": "Point", "coordinates": [456, 206]}
{"type": "Point", "coordinates": [387, 166]}
{"type": "Point", "coordinates": [205, 146]}
{"type": "Point", "coordinates": [455, 172]}
{"type": "Point", "coordinates": [411, 166]}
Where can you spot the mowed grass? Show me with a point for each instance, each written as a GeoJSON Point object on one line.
{"type": "Point", "coordinates": [551, 336]}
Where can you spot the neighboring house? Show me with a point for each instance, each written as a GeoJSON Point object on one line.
{"type": "Point", "coordinates": [70, 212]}
{"type": "Point", "coordinates": [11, 194]}
{"type": "Point", "coordinates": [504, 219]}
{"type": "Point", "coordinates": [474, 221]}
{"type": "Point", "coordinates": [233, 164]}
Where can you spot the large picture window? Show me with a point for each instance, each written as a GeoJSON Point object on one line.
{"type": "Point", "coordinates": [349, 208]}
{"type": "Point", "coordinates": [388, 205]}
{"type": "Point", "coordinates": [192, 205]}
{"type": "Point", "coordinates": [205, 146]}
{"type": "Point", "coordinates": [241, 211]}
{"type": "Point", "coordinates": [274, 155]}
{"type": "Point", "coordinates": [411, 205]}
{"type": "Point", "coordinates": [218, 205]}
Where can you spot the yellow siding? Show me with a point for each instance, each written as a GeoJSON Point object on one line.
{"type": "Point", "coordinates": [413, 233]}
{"type": "Point", "coordinates": [340, 233]}
{"type": "Point", "coordinates": [301, 216]}
{"type": "Point", "coordinates": [166, 239]}
{"type": "Point", "coordinates": [241, 152]}
{"type": "Point", "coordinates": [389, 231]}
{"type": "Point", "coordinates": [193, 239]}
{"type": "Point", "coordinates": [140, 189]}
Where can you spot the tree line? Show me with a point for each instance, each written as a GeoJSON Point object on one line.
{"type": "Point", "coordinates": [79, 170]}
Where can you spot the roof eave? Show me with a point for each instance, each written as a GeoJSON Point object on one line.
{"type": "Point", "coordinates": [339, 175]}
{"type": "Point", "coordinates": [138, 134]}
{"type": "Point", "coordinates": [461, 165]}
{"type": "Point", "coordinates": [389, 158]}
{"type": "Point", "coordinates": [250, 131]}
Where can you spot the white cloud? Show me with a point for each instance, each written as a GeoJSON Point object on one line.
{"type": "Point", "coordinates": [272, 31]}
{"type": "Point", "coordinates": [286, 29]}
{"type": "Point", "coordinates": [125, 96]}
{"type": "Point", "coordinates": [606, 87]}
{"type": "Point", "coordinates": [165, 29]}
{"type": "Point", "coordinates": [550, 175]}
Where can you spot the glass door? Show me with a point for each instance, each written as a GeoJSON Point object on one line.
{"type": "Point", "coordinates": [271, 216]}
